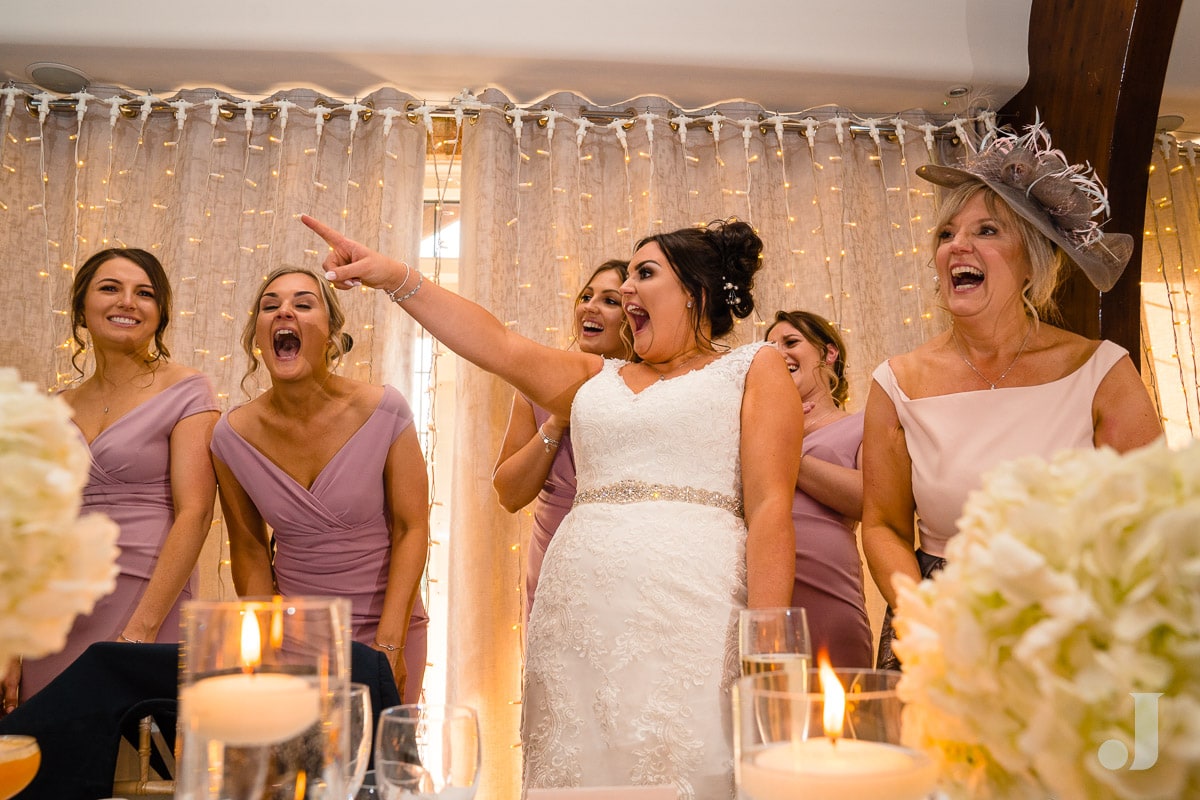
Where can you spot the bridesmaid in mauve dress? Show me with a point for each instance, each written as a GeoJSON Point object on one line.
{"type": "Point", "coordinates": [334, 468]}
{"type": "Point", "coordinates": [829, 490]}
{"type": "Point", "coordinates": [537, 462]}
{"type": "Point", "coordinates": [148, 423]}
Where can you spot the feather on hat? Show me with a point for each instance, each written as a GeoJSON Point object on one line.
{"type": "Point", "coordinates": [1061, 200]}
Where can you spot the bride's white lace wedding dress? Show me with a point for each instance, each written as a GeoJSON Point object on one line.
{"type": "Point", "coordinates": [632, 642]}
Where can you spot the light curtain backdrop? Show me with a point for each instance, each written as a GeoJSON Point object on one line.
{"type": "Point", "coordinates": [213, 187]}
{"type": "Point", "coordinates": [1170, 280]}
{"type": "Point", "coordinates": [213, 184]}
{"type": "Point", "coordinates": [549, 194]}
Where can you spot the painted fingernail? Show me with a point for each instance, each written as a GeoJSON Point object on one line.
{"type": "Point", "coordinates": [330, 275]}
{"type": "Point", "coordinates": [353, 282]}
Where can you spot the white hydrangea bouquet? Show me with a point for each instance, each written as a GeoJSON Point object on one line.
{"type": "Point", "coordinates": [1058, 654]}
{"type": "Point", "coordinates": [54, 564]}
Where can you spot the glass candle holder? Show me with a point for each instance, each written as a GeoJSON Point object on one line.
{"type": "Point", "coordinates": [264, 699]}
{"type": "Point", "coordinates": [830, 735]}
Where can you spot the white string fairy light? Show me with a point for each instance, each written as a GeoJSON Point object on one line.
{"type": "Point", "coordinates": [913, 216]}
{"type": "Point", "coordinates": [785, 182]}
{"type": "Point", "coordinates": [42, 101]}
{"type": "Point", "coordinates": [748, 128]}
{"type": "Point", "coordinates": [930, 130]}
{"type": "Point", "coordinates": [816, 171]}
{"type": "Point", "coordinates": [1174, 294]}
{"type": "Point", "coordinates": [280, 143]}
{"type": "Point", "coordinates": [652, 218]}
{"type": "Point", "coordinates": [681, 122]}
{"type": "Point", "coordinates": [517, 115]}
{"type": "Point", "coordinates": [839, 127]}
{"type": "Point", "coordinates": [837, 186]}
{"type": "Point", "coordinates": [895, 251]}
{"type": "Point", "coordinates": [960, 130]}
{"type": "Point", "coordinates": [81, 99]}
{"type": "Point", "coordinates": [617, 126]}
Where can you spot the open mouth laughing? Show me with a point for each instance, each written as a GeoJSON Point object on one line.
{"type": "Point", "coordinates": [638, 318]}
{"type": "Point", "coordinates": [286, 343]}
{"type": "Point", "coordinates": [964, 278]}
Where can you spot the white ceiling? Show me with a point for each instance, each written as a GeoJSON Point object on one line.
{"type": "Point", "coordinates": [871, 57]}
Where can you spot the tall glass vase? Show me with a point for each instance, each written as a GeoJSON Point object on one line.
{"type": "Point", "coordinates": [264, 699]}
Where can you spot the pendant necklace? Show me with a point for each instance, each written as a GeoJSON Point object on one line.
{"type": "Point", "coordinates": [662, 376]}
{"type": "Point", "coordinates": [991, 384]}
{"type": "Point", "coordinates": [810, 423]}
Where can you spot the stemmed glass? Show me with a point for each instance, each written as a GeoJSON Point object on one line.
{"type": "Point", "coordinates": [360, 737]}
{"type": "Point", "coordinates": [426, 751]}
{"type": "Point", "coordinates": [20, 758]}
{"type": "Point", "coordinates": [771, 639]}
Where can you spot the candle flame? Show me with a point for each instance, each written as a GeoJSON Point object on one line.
{"type": "Point", "coordinates": [835, 698]}
{"type": "Point", "coordinates": [251, 642]}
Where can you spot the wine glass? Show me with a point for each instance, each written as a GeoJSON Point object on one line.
{"type": "Point", "coordinates": [360, 737]}
{"type": "Point", "coordinates": [425, 751]}
{"type": "Point", "coordinates": [771, 639]}
{"type": "Point", "coordinates": [20, 758]}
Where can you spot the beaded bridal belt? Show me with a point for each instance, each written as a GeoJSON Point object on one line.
{"type": "Point", "coordinates": [631, 491]}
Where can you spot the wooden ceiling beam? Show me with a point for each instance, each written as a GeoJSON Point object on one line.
{"type": "Point", "coordinates": [1096, 73]}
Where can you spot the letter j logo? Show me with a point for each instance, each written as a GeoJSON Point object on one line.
{"type": "Point", "coordinates": [1113, 754]}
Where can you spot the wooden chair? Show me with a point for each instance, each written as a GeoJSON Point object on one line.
{"type": "Point", "coordinates": [148, 782]}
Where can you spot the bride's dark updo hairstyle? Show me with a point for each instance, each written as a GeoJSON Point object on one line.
{"type": "Point", "coordinates": [716, 264]}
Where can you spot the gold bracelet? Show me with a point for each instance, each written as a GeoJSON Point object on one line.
{"type": "Point", "coordinates": [125, 638]}
{"type": "Point", "coordinates": [391, 648]}
{"type": "Point", "coordinates": [550, 444]}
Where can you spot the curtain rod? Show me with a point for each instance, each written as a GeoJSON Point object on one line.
{"type": "Point", "coordinates": [131, 108]}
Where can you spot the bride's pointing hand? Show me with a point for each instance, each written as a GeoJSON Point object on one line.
{"type": "Point", "coordinates": [351, 264]}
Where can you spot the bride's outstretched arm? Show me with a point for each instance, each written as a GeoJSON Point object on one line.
{"type": "Point", "coordinates": [547, 375]}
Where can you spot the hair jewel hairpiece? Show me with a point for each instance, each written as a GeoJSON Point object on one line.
{"type": "Point", "coordinates": [732, 299]}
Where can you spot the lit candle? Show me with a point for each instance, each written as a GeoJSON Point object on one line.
{"type": "Point", "coordinates": [251, 708]}
{"type": "Point", "coordinates": [832, 768]}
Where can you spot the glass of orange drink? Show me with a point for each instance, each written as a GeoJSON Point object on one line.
{"type": "Point", "coordinates": [19, 761]}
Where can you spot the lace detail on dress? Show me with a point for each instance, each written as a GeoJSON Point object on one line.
{"type": "Point", "coordinates": [632, 638]}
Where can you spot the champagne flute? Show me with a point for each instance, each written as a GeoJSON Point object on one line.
{"type": "Point", "coordinates": [426, 751]}
{"type": "Point", "coordinates": [20, 758]}
{"type": "Point", "coordinates": [360, 737]}
{"type": "Point", "coordinates": [771, 639]}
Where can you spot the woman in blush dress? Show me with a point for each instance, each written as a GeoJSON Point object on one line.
{"type": "Point", "coordinates": [147, 422]}
{"type": "Point", "coordinates": [829, 490]}
{"type": "Point", "coordinates": [1001, 382]}
{"type": "Point", "coordinates": [685, 466]}
{"type": "Point", "coordinates": [334, 467]}
{"type": "Point", "coordinates": [536, 462]}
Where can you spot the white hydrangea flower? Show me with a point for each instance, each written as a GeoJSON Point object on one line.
{"type": "Point", "coordinates": [55, 565]}
{"type": "Point", "coordinates": [1072, 584]}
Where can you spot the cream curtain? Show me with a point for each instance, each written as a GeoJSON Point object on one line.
{"type": "Point", "coordinates": [548, 193]}
{"type": "Point", "coordinates": [212, 185]}
{"type": "Point", "coordinates": [1170, 306]}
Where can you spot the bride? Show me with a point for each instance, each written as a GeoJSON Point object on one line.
{"type": "Point", "coordinates": [686, 463]}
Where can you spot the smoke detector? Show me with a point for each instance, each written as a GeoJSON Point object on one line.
{"type": "Point", "coordinates": [58, 78]}
{"type": "Point", "coordinates": [1169, 123]}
